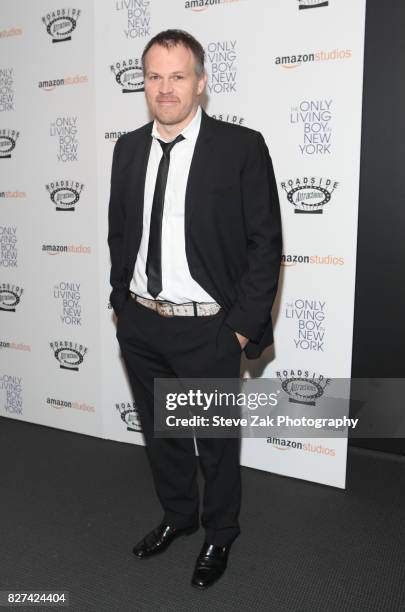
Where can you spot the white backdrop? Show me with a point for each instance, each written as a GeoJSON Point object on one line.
{"type": "Point", "coordinates": [70, 84]}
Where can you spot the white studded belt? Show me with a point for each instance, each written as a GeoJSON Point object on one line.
{"type": "Point", "coordinates": [170, 309]}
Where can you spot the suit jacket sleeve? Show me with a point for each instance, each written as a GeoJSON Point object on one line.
{"type": "Point", "coordinates": [251, 312]}
{"type": "Point", "coordinates": [116, 224]}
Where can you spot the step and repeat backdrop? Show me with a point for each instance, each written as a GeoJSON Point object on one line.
{"type": "Point", "coordinates": [70, 84]}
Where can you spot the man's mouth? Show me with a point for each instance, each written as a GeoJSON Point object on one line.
{"type": "Point", "coordinates": [167, 101]}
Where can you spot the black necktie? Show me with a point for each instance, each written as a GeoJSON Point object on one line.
{"type": "Point", "coordinates": [154, 258]}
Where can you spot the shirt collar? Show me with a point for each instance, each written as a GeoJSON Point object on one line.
{"type": "Point", "coordinates": [190, 132]}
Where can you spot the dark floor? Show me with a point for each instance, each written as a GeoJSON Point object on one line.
{"type": "Point", "coordinates": [72, 507]}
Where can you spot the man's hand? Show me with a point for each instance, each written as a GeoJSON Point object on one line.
{"type": "Point", "coordinates": [242, 340]}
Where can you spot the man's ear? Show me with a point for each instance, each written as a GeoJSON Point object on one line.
{"type": "Point", "coordinates": [202, 83]}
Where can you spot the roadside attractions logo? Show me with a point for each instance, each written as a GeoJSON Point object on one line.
{"type": "Point", "coordinates": [229, 118]}
{"type": "Point", "coordinates": [303, 386]}
{"type": "Point", "coordinates": [137, 17]}
{"type": "Point", "coordinates": [10, 296]}
{"type": "Point", "coordinates": [8, 141]}
{"type": "Point", "coordinates": [69, 354]}
{"type": "Point", "coordinates": [129, 415]}
{"type": "Point", "coordinates": [298, 59]}
{"type": "Point", "coordinates": [308, 194]}
{"type": "Point", "coordinates": [308, 4]}
{"type": "Point", "coordinates": [64, 194]}
{"type": "Point", "coordinates": [315, 117]}
{"type": "Point", "coordinates": [60, 23]}
{"type": "Point", "coordinates": [129, 75]}
{"type": "Point", "coordinates": [290, 260]}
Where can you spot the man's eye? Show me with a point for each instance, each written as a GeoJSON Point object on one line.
{"type": "Point", "coordinates": [154, 77]}
{"type": "Point", "coordinates": [178, 77]}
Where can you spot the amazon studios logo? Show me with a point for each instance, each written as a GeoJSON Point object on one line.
{"type": "Point", "coordinates": [69, 354]}
{"type": "Point", "coordinates": [308, 4]}
{"type": "Point", "coordinates": [284, 444]}
{"type": "Point", "coordinates": [113, 135]}
{"type": "Point", "coordinates": [8, 141]}
{"type": "Point", "coordinates": [297, 59]}
{"type": "Point", "coordinates": [309, 316]}
{"type": "Point", "coordinates": [137, 17]}
{"type": "Point", "coordinates": [302, 386]}
{"type": "Point", "coordinates": [60, 404]}
{"type": "Point", "coordinates": [64, 194]}
{"type": "Point", "coordinates": [315, 116]}
{"type": "Point", "coordinates": [288, 259]}
{"type": "Point", "coordinates": [202, 5]}
{"type": "Point", "coordinates": [60, 23]}
{"type": "Point", "coordinates": [129, 415]}
{"type": "Point", "coordinates": [129, 75]}
{"type": "Point", "coordinates": [6, 89]}
{"type": "Point", "coordinates": [51, 85]}
{"type": "Point", "coordinates": [10, 296]}
{"type": "Point", "coordinates": [221, 56]}
{"type": "Point", "coordinates": [57, 249]}
{"type": "Point", "coordinates": [308, 195]}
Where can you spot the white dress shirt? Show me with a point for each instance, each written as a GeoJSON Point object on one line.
{"type": "Point", "coordinates": [177, 283]}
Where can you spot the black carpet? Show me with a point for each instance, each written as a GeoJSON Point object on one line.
{"type": "Point", "coordinates": [72, 506]}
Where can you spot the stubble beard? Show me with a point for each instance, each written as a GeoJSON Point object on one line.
{"type": "Point", "coordinates": [169, 118]}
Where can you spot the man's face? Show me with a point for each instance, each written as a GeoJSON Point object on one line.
{"type": "Point", "coordinates": [172, 86]}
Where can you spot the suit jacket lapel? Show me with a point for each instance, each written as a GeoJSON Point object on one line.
{"type": "Point", "coordinates": [196, 177]}
{"type": "Point", "coordinates": [135, 190]}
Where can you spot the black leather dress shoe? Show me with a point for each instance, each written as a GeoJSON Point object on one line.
{"type": "Point", "coordinates": [210, 565]}
{"type": "Point", "coordinates": [159, 539]}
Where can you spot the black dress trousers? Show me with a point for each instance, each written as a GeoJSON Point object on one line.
{"type": "Point", "coordinates": [154, 346]}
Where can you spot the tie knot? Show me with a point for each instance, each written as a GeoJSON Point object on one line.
{"type": "Point", "coordinates": [168, 146]}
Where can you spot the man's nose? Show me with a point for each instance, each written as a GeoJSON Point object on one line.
{"type": "Point", "coordinates": [166, 86]}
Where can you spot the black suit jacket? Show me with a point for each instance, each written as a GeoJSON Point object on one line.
{"type": "Point", "coordinates": [232, 222]}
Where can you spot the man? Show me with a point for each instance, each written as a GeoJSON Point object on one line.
{"type": "Point", "coordinates": [195, 244]}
